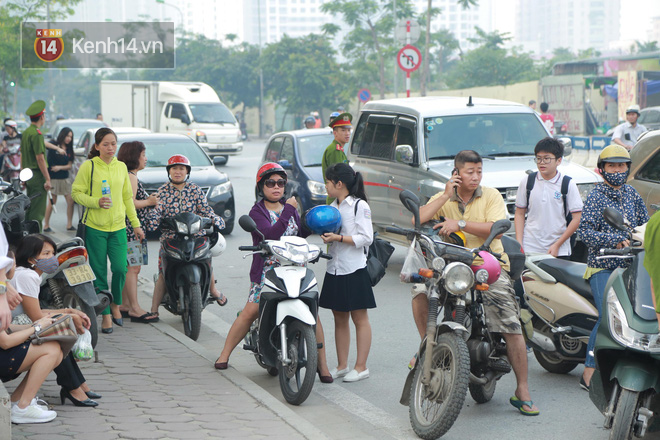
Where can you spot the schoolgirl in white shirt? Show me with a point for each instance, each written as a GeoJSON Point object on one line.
{"type": "Point", "coordinates": [347, 287]}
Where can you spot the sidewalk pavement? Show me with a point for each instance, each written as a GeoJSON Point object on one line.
{"type": "Point", "coordinates": [158, 384]}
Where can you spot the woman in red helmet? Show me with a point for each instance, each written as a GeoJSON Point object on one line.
{"type": "Point", "coordinates": [275, 217]}
{"type": "Point", "coordinates": [176, 197]}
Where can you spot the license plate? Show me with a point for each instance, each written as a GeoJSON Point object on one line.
{"type": "Point", "coordinates": [79, 274]}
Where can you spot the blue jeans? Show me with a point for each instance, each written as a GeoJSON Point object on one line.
{"type": "Point", "coordinates": [597, 282]}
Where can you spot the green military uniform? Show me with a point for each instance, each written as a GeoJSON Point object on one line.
{"type": "Point", "coordinates": [652, 257]}
{"type": "Point", "coordinates": [32, 144]}
{"type": "Point", "coordinates": [334, 153]}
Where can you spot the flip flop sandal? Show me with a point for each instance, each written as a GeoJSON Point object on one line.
{"type": "Point", "coordinates": [145, 319]}
{"type": "Point", "coordinates": [520, 403]}
{"type": "Point", "coordinates": [218, 300]}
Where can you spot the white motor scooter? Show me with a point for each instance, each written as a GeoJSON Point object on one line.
{"type": "Point", "coordinates": [283, 338]}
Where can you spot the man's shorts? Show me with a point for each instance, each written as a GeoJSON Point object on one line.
{"type": "Point", "coordinates": [501, 308]}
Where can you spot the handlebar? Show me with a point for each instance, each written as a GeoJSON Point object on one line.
{"type": "Point", "coordinates": [621, 252]}
{"type": "Point", "coordinates": [326, 256]}
{"type": "Point", "coordinates": [398, 230]}
{"type": "Point", "coordinates": [249, 248]}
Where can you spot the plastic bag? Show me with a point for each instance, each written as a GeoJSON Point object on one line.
{"type": "Point", "coordinates": [82, 349]}
{"type": "Point", "coordinates": [411, 265]}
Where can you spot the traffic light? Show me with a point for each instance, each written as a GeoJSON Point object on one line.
{"type": "Point", "coordinates": [12, 84]}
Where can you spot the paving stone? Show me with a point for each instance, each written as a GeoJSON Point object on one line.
{"type": "Point", "coordinates": [140, 435]}
{"type": "Point", "coordinates": [176, 427]}
{"type": "Point", "coordinates": [172, 418]}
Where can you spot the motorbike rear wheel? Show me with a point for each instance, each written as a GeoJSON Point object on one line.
{"type": "Point", "coordinates": [192, 315]}
{"type": "Point", "coordinates": [482, 393]}
{"type": "Point", "coordinates": [624, 415]}
{"type": "Point", "coordinates": [297, 378]}
{"type": "Point", "coordinates": [71, 300]}
{"type": "Point", "coordinates": [433, 409]}
{"type": "Point", "coordinates": [552, 363]}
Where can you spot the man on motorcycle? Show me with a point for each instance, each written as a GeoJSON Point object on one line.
{"type": "Point", "coordinates": [175, 197]}
{"type": "Point", "coordinates": [614, 166]}
{"type": "Point", "coordinates": [468, 207]}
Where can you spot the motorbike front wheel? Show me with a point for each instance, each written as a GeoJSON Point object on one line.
{"type": "Point", "coordinates": [192, 315]}
{"type": "Point", "coordinates": [297, 378]}
{"type": "Point", "coordinates": [71, 301]}
{"type": "Point", "coordinates": [624, 415]}
{"type": "Point", "coordinates": [434, 408]}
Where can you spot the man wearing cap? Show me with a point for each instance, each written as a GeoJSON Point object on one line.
{"type": "Point", "coordinates": [33, 156]}
{"type": "Point", "coordinates": [626, 134]}
{"type": "Point", "coordinates": [341, 129]}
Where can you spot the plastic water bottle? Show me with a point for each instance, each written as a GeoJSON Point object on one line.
{"type": "Point", "coordinates": [105, 190]}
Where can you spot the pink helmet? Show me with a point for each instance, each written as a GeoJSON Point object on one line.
{"type": "Point", "coordinates": [490, 264]}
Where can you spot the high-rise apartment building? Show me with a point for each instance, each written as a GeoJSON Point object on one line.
{"type": "Point", "coordinates": [542, 26]}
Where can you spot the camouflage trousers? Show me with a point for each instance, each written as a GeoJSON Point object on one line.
{"type": "Point", "coordinates": [501, 308]}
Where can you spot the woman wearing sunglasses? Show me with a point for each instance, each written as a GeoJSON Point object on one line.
{"type": "Point", "coordinates": [275, 217]}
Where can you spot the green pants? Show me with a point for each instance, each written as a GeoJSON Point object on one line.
{"type": "Point", "coordinates": [37, 209]}
{"type": "Point", "coordinates": [101, 246]}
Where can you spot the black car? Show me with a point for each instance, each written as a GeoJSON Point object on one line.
{"type": "Point", "coordinates": [300, 153]}
{"type": "Point", "coordinates": [215, 184]}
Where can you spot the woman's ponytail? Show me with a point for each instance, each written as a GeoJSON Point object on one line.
{"type": "Point", "coordinates": [342, 172]}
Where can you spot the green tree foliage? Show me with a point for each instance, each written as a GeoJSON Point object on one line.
{"type": "Point", "coordinates": [644, 46]}
{"type": "Point", "coordinates": [491, 64]}
{"type": "Point", "coordinates": [370, 38]}
{"type": "Point", "coordinates": [302, 74]}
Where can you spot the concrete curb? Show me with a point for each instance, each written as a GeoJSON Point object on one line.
{"type": "Point", "coordinates": [262, 396]}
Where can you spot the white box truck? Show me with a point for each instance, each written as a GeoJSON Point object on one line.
{"type": "Point", "coordinates": [190, 108]}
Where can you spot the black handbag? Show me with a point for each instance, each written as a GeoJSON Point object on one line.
{"type": "Point", "coordinates": [81, 229]}
{"type": "Point", "coordinates": [378, 255]}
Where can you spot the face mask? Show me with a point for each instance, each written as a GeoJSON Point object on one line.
{"type": "Point", "coordinates": [47, 265]}
{"type": "Point", "coordinates": [615, 179]}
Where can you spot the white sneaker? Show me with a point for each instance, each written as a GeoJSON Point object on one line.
{"type": "Point", "coordinates": [36, 401]}
{"type": "Point", "coordinates": [354, 376]}
{"type": "Point", "coordinates": [33, 413]}
{"type": "Point", "coordinates": [339, 373]}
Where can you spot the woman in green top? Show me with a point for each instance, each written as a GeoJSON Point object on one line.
{"type": "Point", "coordinates": [105, 218]}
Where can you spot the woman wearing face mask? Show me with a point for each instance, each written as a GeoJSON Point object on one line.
{"type": "Point", "coordinates": [614, 166]}
{"type": "Point", "coordinates": [35, 255]}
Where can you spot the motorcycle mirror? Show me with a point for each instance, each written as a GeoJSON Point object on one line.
{"type": "Point", "coordinates": [499, 227]}
{"type": "Point", "coordinates": [247, 223]}
{"type": "Point", "coordinates": [25, 174]}
{"type": "Point", "coordinates": [614, 218]}
{"type": "Point", "coordinates": [410, 200]}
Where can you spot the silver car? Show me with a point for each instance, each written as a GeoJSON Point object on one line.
{"type": "Point", "coordinates": [410, 144]}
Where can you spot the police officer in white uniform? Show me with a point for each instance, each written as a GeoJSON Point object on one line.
{"type": "Point", "coordinates": [626, 134]}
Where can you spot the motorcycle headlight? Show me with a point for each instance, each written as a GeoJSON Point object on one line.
{"type": "Point", "coordinates": [621, 331]}
{"type": "Point", "coordinates": [585, 189]}
{"type": "Point", "coordinates": [200, 137]}
{"type": "Point", "coordinates": [297, 254]}
{"type": "Point", "coordinates": [438, 263]}
{"type": "Point", "coordinates": [481, 275]}
{"type": "Point", "coordinates": [458, 278]}
{"type": "Point", "coordinates": [195, 227]}
{"type": "Point", "coordinates": [218, 190]}
{"type": "Point", "coordinates": [181, 227]}
{"type": "Point", "coordinates": [173, 254]}
{"type": "Point", "coordinates": [316, 188]}
{"type": "Point", "coordinates": [202, 250]}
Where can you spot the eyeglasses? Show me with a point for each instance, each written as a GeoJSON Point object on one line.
{"type": "Point", "coordinates": [270, 183]}
{"type": "Point", "coordinates": [544, 159]}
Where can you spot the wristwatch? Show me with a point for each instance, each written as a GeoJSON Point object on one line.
{"type": "Point", "coordinates": [3, 288]}
{"type": "Point", "coordinates": [37, 328]}
{"type": "Point", "coordinates": [461, 224]}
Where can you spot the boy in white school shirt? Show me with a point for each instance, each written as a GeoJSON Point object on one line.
{"type": "Point", "coordinates": [546, 230]}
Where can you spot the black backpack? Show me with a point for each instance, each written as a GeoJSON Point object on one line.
{"type": "Point", "coordinates": [564, 191]}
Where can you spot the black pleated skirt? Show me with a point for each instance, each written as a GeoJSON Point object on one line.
{"type": "Point", "coordinates": [345, 293]}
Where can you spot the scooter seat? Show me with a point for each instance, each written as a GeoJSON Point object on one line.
{"type": "Point", "coordinates": [67, 244]}
{"type": "Point", "coordinates": [569, 273]}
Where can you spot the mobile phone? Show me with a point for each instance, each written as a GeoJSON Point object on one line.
{"type": "Point", "coordinates": [454, 171]}
{"type": "Point", "coordinates": [627, 136]}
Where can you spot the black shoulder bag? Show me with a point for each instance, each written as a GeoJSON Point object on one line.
{"type": "Point", "coordinates": [378, 255]}
{"type": "Point", "coordinates": [81, 230]}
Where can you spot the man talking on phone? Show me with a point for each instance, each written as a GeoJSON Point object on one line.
{"type": "Point", "coordinates": [626, 134]}
{"type": "Point", "coordinates": [471, 208]}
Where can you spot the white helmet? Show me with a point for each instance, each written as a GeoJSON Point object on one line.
{"type": "Point", "coordinates": [219, 247]}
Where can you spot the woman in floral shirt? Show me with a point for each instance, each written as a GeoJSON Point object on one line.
{"type": "Point", "coordinates": [614, 165]}
{"type": "Point", "coordinates": [176, 197]}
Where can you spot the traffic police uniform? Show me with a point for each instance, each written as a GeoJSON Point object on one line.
{"type": "Point", "coordinates": [334, 153]}
{"type": "Point", "coordinates": [32, 144]}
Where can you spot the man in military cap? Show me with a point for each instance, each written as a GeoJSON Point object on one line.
{"type": "Point", "coordinates": [341, 128]}
{"type": "Point", "coordinates": [33, 156]}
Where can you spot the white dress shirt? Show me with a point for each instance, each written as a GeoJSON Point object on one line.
{"type": "Point", "coordinates": [347, 258]}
